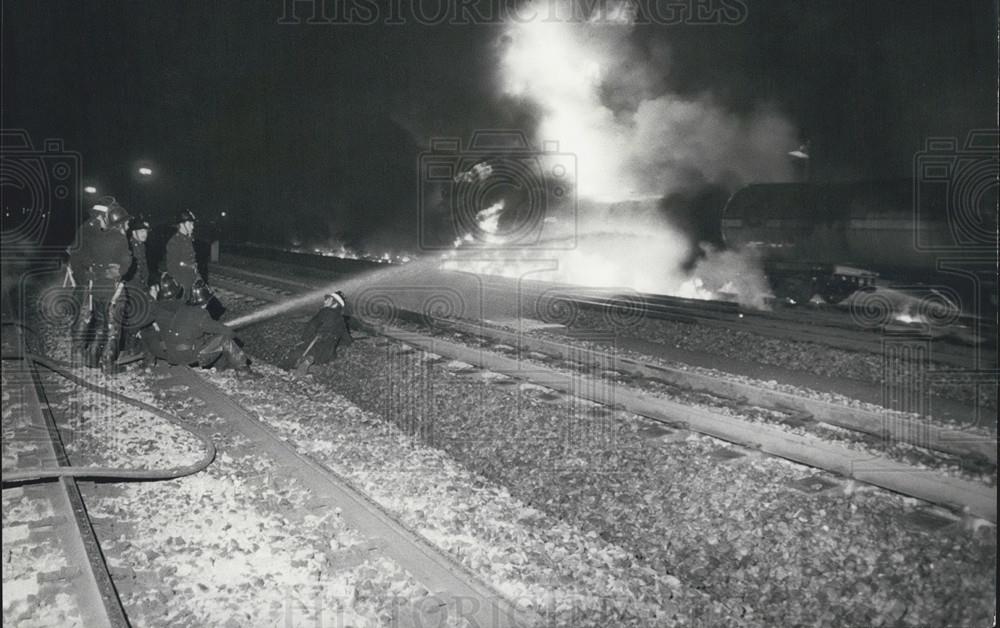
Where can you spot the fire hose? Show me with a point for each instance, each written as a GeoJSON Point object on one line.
{"type": "Point", "coordinates": [107, 473]}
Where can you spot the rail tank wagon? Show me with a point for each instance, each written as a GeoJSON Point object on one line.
{"type": "Point", "coordinates": [832, 239]}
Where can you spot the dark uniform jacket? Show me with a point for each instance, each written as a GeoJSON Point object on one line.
{"type": "Point", "coordinates": [329, 326]}
{"type": "Point", "coordinates": [138, 274]}
{"type": "Point", "coordinates": [181, 262]}
{"type": "Point", "coordinates": [101, 256]}
{"type": "Point", "coordinates": [80, 253]}
{"type": "Point", "coordinates": [184, 329]}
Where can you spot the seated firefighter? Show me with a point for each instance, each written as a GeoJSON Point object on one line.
{"type": "Point", "coordinates": [184, 333]}
{"type": "Point", "coordinates": [323, 334]}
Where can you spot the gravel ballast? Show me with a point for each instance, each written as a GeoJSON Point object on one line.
{"type": "Point", "coordinates": [734, 530]}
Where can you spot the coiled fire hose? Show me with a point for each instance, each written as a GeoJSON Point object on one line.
{"type": "Point", "coordinates": [107, 473]}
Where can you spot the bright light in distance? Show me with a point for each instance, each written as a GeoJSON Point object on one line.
{"type": "Point", "coordinates": [145, 171]}
{"type": "Point", "coordinates": [90, 189]}
{"type": "Point", "coordinates": [223, 214]}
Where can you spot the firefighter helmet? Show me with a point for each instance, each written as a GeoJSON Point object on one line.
{"type": "Point", "coordinates": [117, 216]}
{"type": "Point", "coordinates": [185, 215]}
{"type": "Point", "coordinates": [139, 222]}
{"type": "Point", "coordinates": [200, 294]}
{"type": "Point", "coordinates": [101, 207]}
{"type": "Point", "coordinates": [169, 288]}
{"type": "Point", "coordinates": [336, 298]}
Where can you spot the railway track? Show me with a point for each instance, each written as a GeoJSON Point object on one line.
{"type": "Point", "coordinates": [928, 485]}
{"type": "Point", "coordinates": [84, 576]}
{"type": "Point", "coordinates": [890, 426]}
{"type": "Point", "coordinates": [963, 342]}
{"type": "Point", "coordinates": [456, 591]}
{"type": "Point", "coordinates": [964, 345]}
{"type": "Point", "coordinates": [884, 424]}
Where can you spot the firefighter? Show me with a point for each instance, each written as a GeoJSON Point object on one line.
{"type": "Point", "coordinates": [348, 310]}
{"type": "Point", "coordinates": [181, 262]}
{"type": "Point", "coordinates": [78, 275]}
{"type": "Point", "coordinates": [138, 274]}
{"type": "Point", "coordinates": [150, 333]}
{"type": "Point", "coordinates": [140, 294]}
{"type": "Point", "coordinates": [78, 253]}
{"type": "Point", "coordinates": [184, 333]}
{"type": "Point", "coordinates": [98, 265]}
{"type": "Point", "coordinates": [325, 332]}
{"type": "Point", "coordinates": [86, 234]}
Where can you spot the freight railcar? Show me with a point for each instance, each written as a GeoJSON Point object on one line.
{"type": "Point", "coordinates": [832, 239]}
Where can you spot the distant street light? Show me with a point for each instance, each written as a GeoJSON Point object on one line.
{"type": "Point", "coordinates": [802, 155]}
{"type": "Point", "coordinates": [223, 214]}
{"type": "Point", "coordinates": [90, 189]}
{"type": "Point", "coordinates": [146, 172]}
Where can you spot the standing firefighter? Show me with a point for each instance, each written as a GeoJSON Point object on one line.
{"type": "Point", "coordinates": [98, 265]}
{"type": "Point", "coordinates": [323, 334]}
{"type": "Point", "coordinates": [184, 333]}
{"type": "Point", "coordinates": [140, 295]}
{"type": "Point", "coordinates": [181, 262]}
{"type": "Point", "coordinates": [86, 235]}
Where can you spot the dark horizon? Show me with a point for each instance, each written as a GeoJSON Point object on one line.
{"type": "Point", "coordinates": [314, 131]}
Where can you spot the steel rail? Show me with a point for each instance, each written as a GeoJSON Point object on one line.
{"type": "Point", "coordinates": [884, 424]}
{"type": "Point", "coordinates": [454, 585]}
{"type": "Point", "coordinates": [99, 604]}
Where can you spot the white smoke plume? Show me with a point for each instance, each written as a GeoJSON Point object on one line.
{"type": "Point", "coordinates": [606, 101]}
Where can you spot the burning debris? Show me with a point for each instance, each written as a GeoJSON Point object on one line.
{"type": "Point", "coordinates": [479, 172]}
{"type": "Point", "coordinates": [627, 245]}
{"type": "Point", "coordinates": [489, 219]}
{"type": "Point", "coordinates": [342, 251]}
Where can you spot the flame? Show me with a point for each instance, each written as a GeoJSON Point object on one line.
{"type": "Point", "coordinates": [694, 288]}
{"type": "Point", "coordinates": [341, 251]}
{"type": "Point", "coordinates": [478, 172]}
{"type": "Point", "coordinates": [909, 318]}
{"type": "Point", "coordinates": [620, 246]}
{"type": "Point", "coordinates": [489, 221]}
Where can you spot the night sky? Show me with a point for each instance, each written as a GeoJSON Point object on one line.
{"type": "Point", "coordinates": [309, 131]}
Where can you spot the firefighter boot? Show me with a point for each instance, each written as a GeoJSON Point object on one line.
{"type": "Point", "coordinates": [234, 356]}
{"type": "Point", "coordinates": [112, 337]}
{"type": "Point", "coordinates": [78, 337]}
{"type": "Point", "coordinates": [302, 367]}
{"type": "Point", "coordinates": [92, 353]}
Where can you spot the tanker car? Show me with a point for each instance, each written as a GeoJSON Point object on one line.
{"type": "Point", "coordinates": [833, 239]}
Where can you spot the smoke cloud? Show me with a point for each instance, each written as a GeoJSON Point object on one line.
{"type": "Point", "coordinates": [605, 99]}
{"type": "Point", "coordinates": [637, 144]}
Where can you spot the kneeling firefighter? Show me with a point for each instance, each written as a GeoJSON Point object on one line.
{"type": "Point", "coordinates": [184, 333]}
{"type": "Point", "coordinates": [325, 332]}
